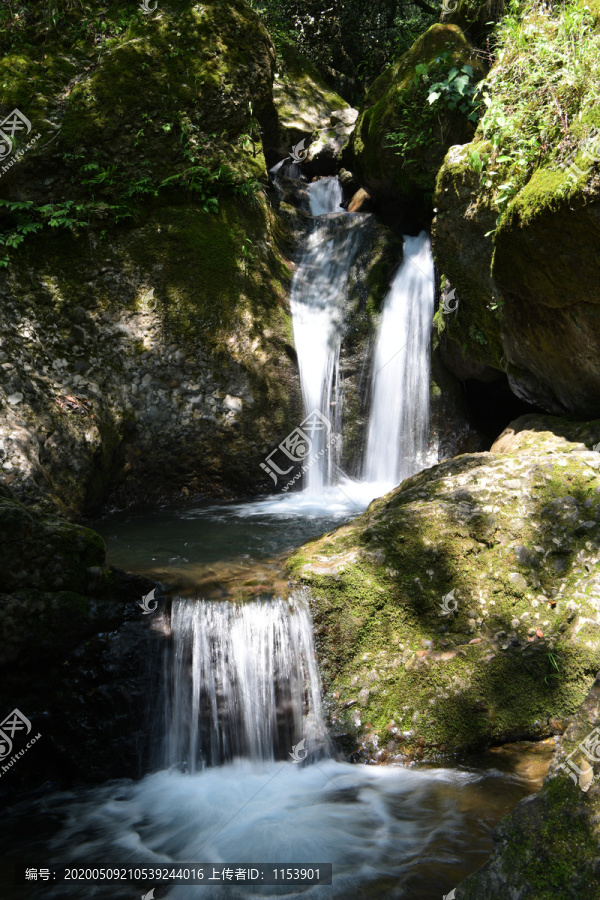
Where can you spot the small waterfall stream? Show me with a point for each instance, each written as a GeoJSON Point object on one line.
{"type": "Point", "coordinates": [318, 289]}
{"type": "Point", "coordinates": [399, 420]}
{"type": "Point", "coordinates": [398, 429]}
{"type": "Point", "coordinates": [241, 681]}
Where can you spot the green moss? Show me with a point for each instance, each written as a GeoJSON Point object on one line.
{"type": "Point", "coordinates": [393, 104]}
{"type": "Point", "coordinates": [547, 848]}
{"type": "Point", "coordinates": [377, 586]}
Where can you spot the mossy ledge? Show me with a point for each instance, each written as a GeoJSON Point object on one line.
{"type": "Point", "coordinates": [514, 539]}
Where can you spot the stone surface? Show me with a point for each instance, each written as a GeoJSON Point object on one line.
{"type": "Point", "coordinates": [548, 846]}
{"type": "Point", "coordinates": [401, 182]}
{"type": "Point", "coordinates": [514, 540]}
{"type": "Point", "coordinates": [74, 650]}
{"type": "Point", "coordinates": [303, 101]}
{"type": "Point", "coordinates": [125, 342]}
{"type": "Point", "coordinates": [526, 272]}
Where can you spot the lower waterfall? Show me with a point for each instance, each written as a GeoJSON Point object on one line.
{"type": "Point", "coordinates": [241, 681]}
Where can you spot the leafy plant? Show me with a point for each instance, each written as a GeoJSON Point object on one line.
{"type": "Point", "coordinates": [251, 136]}
{"type": "Point", "coordinates": [541, 97]}
{"type": "Point", "coordinates": [426, 106]}
{"type": "Point", "coordinates": [457, 91]}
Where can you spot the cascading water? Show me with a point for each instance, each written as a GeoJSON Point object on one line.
{"type": "Point", "coordinates": [399, 422]}
{"type": "Point", "coordinates": [318, 291]}
{"type": "Point", "coordinates": [398, 426]}
{"type": "Point", "coordinates": [241, 682]}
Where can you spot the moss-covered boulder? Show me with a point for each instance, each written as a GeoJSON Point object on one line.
{"type": "Point", "coordinates": [517, 227]}
{"type": "Point", "coordinates": [548, 846]}
{"type": "Point", "coordinates": [145, 338]}
{"type": "Point", "coordinates": [44, 552]}
{"type": "Point", "coordinates": [303, 100]}
{"type": "Point", "coordinates": [461, 609]}
{"type": "Point", "coordinates": [527, 295]}
{"type": "Point", "coordinates": [400, 139]}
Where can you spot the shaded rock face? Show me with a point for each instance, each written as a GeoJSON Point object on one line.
{"type": "Point", "coordinates": [151, 408]}
{"type": "Point", "coordinates": [402, 180]}
{"type": "Point", "coordinates": [548, 845]}
{"type": "Point", "coordinates": [121, 344]}
{"type": "Point", "coordinates": [522, 310]}
{"type": "Point", "coordinates": [75, 653]}
{"type": "Point", "coordinates": [474, 17]}
{"type": "Point", "coordinates": [462, 608]}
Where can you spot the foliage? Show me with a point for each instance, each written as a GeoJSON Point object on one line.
{"type": "Point", "coordinates": [22, 22]}
{"type": "Point", "coordinates": [456, 91]}
{"type": "Point", "coordinates": [541, 97]}
{"type": "Point", "coordinates": [427, 108]}
{"type": "Point", "coordinates": [113, 195]}
{"type": "Point", "coordinates": [352, 42]}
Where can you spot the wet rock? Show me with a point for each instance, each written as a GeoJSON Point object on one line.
{"type": "Point", "coordinates": [461, 526]}
{"type": "Point", "coordinates": [548, 845]}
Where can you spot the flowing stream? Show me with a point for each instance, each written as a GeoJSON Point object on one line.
{"type": "Point", "coordinates": [398, 430]}
{"type": "Point", "coordinates": [318, 290]}
{"type": "Point", "coordinates": [241, 682]}
{"type": "Point", "coordinates": [242, 770]}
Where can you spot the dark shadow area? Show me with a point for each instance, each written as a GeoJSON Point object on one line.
{"type": "Point", "coordinates": [492, 405]}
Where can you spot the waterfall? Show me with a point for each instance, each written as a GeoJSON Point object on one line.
{"type": "Point", "coordinates": [241, 681]}
{"type": "Point", "coordinates": [399, 422]}
{"type": "Point", "coordinates": [318, 291]}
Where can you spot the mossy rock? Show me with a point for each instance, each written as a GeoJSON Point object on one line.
{"type": "Point", "coordinates": [510, 543]}
{"type": "Point", "coordinates": [189, 71]}
{"type": "Point", "coordinates": [548, 846]}
{"type": "Point", "coordinates": [526, 275]}
{"type": "Point", "coordinates": [45, 552]}
{"type": "Point", "coordinates": [394, 104]}
{"type": "Point", "coordinates": [143, 102]}
{"type": "Point", "coordinates": [303, 100]}
{"type": "Point", "coordinates": [521, 307]}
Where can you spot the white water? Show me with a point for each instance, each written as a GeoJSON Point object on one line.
{"type": "Point", "coordinates": [398, 429]}
{"type": "Point", "coordinates": [388, 831]}
{"type": "Point", "coordinates": [399, 422]}
{"type": "Point", "coordinates": [241, 682]}
{"type": "Point", "coordinates": [318, 292]}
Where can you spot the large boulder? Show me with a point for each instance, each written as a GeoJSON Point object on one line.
{"type": "Point", "coordinates": [462, 608]}
{"type": "Point", "coordinates": [400, 140]}
{"type": "Point", "coordinates": [521, 308]}
{"type": "Point", "coordinates": [74, 646]}
{"type": "Point", "coordinates": [315, 123]}
{"type": "Point", "coordinates": [144, 330]}
{"type": "Point", "coordinates": [516, 229]}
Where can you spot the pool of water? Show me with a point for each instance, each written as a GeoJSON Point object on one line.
{"type": "Point", "coordinates": [204, 546]}
{"type": "Point", "coordinates": [390, 832]}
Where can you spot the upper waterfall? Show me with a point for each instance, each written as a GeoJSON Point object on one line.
{"type": "Point", "coordinates": [397, 429]}
{"type": "Point", "coordinates": [318, 292]}
{"type": "Point", "coordinates": [399, 422]}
